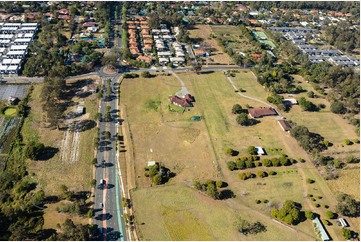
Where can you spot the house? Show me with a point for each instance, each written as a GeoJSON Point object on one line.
{"type": "Point", "coordinates": [93, 29]}
{"type": "Point", "coordinates": [88, 24]}
{"type": "Point", "coordinates": [241, 7]}
{"type": "Point", "coordinates": [142, 58]}
{"type": "Point", "coordinates": [284, 125]}
{"type": "Point", "coordinates": [64, 17]}
{"type": "Point", "coordinates": [13, 100]}
{"type": "Point", "coordinates": [322, 231]}
{"type": "Point", "coordinates": [189, 97]}
{"type": "Point", "coordinates": [181, 102]}
{"type": "Point", "coordinates": [200, 53]}
{"type": "Point", "coordinates": [260, 150]}
{"type": "Point", "coordinates": [63, 11]}
{"type": "Point", "coordinates": [261, 112]}
{"type": "Point", "coordinates": [163, 60]}
{"type": "Point", "coordinates": [254, 21]}
{"type": "Point", "coordinates": [256, 56]}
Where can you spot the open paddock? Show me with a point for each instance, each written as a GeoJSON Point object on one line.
{"type": "Point", "coordinates": [203, 33]}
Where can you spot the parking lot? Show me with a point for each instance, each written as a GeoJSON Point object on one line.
{"type": "Point", "coordinates": [12, 90]}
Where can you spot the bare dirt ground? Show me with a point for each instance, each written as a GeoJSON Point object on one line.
{"type": "Point", "coordinates": [203, 33]}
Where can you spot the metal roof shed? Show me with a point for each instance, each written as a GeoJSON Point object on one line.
{"type": "Point", "coordinates": [321, 229]}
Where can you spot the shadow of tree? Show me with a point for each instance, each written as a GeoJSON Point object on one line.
{"type": "Point", "coordinates": [48, 153]}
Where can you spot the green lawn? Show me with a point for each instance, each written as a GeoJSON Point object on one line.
{"type": "Point", "coordinates": [11, 111]}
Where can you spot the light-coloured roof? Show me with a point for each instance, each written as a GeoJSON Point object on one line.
{"type": "Point", "coordinates": [321, 229]}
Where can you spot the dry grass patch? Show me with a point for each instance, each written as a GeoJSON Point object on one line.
{"type": "Point", "coordinates": [52, 173]}
{"type": "Point", "coordinates": [203, 32]}
{"type": "Point", "coordinates": [180, 144]}
{"type": "Point", "coordinates": [182, 213]}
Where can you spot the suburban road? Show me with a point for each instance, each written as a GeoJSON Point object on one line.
{"type": "Point", "coordinates": [109, 217]}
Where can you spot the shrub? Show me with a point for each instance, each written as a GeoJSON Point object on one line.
{"type": "Point", "coordinates": [313, 199]}
{"type": "Point", "coordinates": [258, 164]}
{"type": "Point", "coordinates": [309, 215]}
{"type": "Point", "coordinates": [258, 201]}
{"type": "Point", "coordinates": [264, 200]}
{"type": "Point", "coordinates": [272, 173]}
{"type": "Point", "coordinates": [237, 109]}
{"type": "Point", "coordinates": [252, 150]}
{"type": "Point", "coordinates": [317, 205]}
{"type": "Point", "coordinates": [275, 162]}
{"type": "Point", "coordinates": [325, 221]}
{"type": "Point", "coordinates": [347, 142]}
{"type": "Point", "coordinates": [319, 197]}
{"type": "Point", "coordinates": [310, 181]}
{"type": "Point", "coordinates": [231, 165]}
{"type": "Point", "coordinates": [325, 206]}
{"type": "Point", "coordinates": [266, 162]}
{"type": "Point", "coordinates": [240, 164]}
{"type": "Point", "coordinates": [261, 174]}
{"type": "Point", "coordinates": [230, 151]}
{"type": "Point", "coordinates": [357, 141]}
{"type": "Point", "coordinates": [249, 164]}
{"type": "Point", "coordinates": [219, 183]}
{"type": "Point", "coordinates": [330, 215]}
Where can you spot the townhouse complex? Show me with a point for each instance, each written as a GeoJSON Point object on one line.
{"type": "Point", "coordinates": [15, 39]}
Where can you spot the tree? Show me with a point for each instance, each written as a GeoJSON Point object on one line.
{"type": "Point", "coordinates": [289, 213]}
{"type": "Point", "coordinates": [34, 150]}
{"type": "Point", "coordinates": [245, 227]}
{"type": "Point", "coordinates": [212, 191]}
{"type": "Point", "coordinates": [252, 150]}
{"type": "Point", "coordinates": [197, 67]}
{"type": "Point", "coordinates": [266, 162]}
{"type": "Point", "coordinates": [157, 179]}
{"type": "Point", "coordinates": [237, 109]}
{"type": "Point", "coordinates": [346, 233]}
{"type": "Point", "coordinates": [242, 119]}
{"type": "Point", "coordinates": [311, 94]}
{"type": "Point", "coordinates": [94, 161]}
{"type": "Point", "coordinates": [347, 205]}
{"type": "Point", "coordinates": [338, 107]}
{"type": "Point", "coordinates": [145, 74]}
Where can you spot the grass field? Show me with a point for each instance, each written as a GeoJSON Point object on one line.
{"type": "Point", "coordinates": [203, 32]}
{"type": "Point", "coordinates": [178, 143]}
{"type": "Point", "coordinates": [182, 213]}
{"type": "Point", "coordinates": [233, 35]}
{"type": "Point", "coordinates": [52, 173]}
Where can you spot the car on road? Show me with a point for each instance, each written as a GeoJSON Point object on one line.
{"type": "Point", "coordinates": [101, 205]}
{"type": "Point", "coordinates": [102, 182]}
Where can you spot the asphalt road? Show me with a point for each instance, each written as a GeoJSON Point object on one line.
{"type": "Point", "coordinates": [109, 218]}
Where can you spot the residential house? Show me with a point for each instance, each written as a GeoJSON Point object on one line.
{"type": "Point", "coordinates": [261, 112]}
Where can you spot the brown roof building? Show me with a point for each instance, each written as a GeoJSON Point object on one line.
{"type": "Point", "coordinates": [186, 101]}
{"type": "Point", "coordinates": [284, 125]}
{"type": "Point", "coordinates": [147, 59]}
{"type": "Point", "coordinates": [261, 112]}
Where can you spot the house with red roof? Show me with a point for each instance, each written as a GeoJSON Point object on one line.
{"type": "Point", "coordinates": [185, 101]}
{"type": "Point", "coordinates": [63, 11]}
